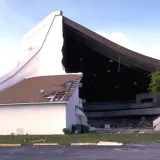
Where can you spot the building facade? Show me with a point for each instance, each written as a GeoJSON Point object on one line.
{"type": "Point", "coordinates": [41, 106]}
{"type": "Point", "coordinates": [114, 77]}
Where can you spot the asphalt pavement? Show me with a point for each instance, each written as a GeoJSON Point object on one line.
{"type": "Point", "coordinates": [127, 152]}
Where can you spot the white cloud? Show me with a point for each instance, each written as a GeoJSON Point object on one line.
{"type": "Point", "coordinates": [121, 39]}
{"type": "Point", "coordinates": [9, 55]}
{"type": "Point", "coordinates": [117, 37]}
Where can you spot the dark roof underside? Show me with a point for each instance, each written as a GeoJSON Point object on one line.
{"type": "Point", "coordinates": [111, 49]}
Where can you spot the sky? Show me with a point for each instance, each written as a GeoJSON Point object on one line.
{"type": "Point", "coordinates": [134, 24]}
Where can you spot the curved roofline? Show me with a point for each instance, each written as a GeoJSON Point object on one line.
{"type": "Point", "coordinates": [32, 53]}
{"type": "Point", "coordinates": [131, 57]}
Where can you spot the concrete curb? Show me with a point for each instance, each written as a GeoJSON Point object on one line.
{"type": "Point", "coordinates": [109, 144]}
{"type": "Point", "coordinates": [10, 145]}
{"type": "Point", "coordinates": [45, 144]}
{"type": "Point", "coordinates": [83, 144]}
{"type": "Point", "coordinates": [103, 143]}
{"type": "Point", "coordinates": [100, 143]}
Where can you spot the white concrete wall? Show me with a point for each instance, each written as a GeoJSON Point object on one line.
{"type": "Point", "coordinates": [156, 124]}
{"type": "Point", "coordinates": [46, 39]}
{"type": "Point", "coordinates": [157, 127]}
{"type": "Point", "coordinates": [33, 119]}
{"type": "Point", "coordinates": [83, 120]}
{"type": "Point", "coordinates": [71, 117]}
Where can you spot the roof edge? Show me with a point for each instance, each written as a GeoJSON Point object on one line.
{"type": "Point", "coordinates": [34, 103]}
{"type": "Point", "coordinates": [42, 23]}
{"type": "Point", "coordinates": [64, 74]}
{"type": "Point", "coordinates": [149, 63]}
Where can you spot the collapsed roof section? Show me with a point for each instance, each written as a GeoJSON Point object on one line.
{"type": "Point", "coordinates": [44, 42]}
{"type": "Point", "coordinates": [45, 59]}
{"type": "Point", "coordinates": [42, 47]}
{"type": "Point", "coordinates": [110, 49]}
{"type": "Point", "coordinates": [111, 73]}
{"type": "Point", "coordinates": [42, 89]}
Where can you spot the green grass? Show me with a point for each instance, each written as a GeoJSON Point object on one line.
{"type": "Point", "coordinates": [94, 137]}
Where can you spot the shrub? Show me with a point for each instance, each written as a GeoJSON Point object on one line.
{"type": "Point", "coordinates": [85, 129]}
{"type": "Point", "coordinates": [80, 128]}
{"type": "Point", "coordinates": [66, 131]}
{"type": "Point", "coordinates": [76, 128]}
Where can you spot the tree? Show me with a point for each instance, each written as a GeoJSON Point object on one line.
{"type": "Point", "coordinates": [154, 85]}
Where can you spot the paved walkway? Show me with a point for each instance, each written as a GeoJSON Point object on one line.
{"type": "Point", "coordinates": [130, 152]}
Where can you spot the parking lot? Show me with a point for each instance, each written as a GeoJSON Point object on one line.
{"type": "Point", "coordinates": [129, 152]}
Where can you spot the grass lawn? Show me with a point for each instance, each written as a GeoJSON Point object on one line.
{"type": "Point", "coordinates": [94, 137]}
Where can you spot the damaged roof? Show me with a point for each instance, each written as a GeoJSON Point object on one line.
{"type": "Point", "coordinates": [41, 89]}
{"type": "Point", "coordinates": [111, 49]}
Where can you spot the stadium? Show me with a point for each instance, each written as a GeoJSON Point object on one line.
{"type": "Point", "coordinates": [115, 81]}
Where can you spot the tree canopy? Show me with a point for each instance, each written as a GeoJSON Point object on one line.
{"type": "Point", "coordinates": [154, 85]}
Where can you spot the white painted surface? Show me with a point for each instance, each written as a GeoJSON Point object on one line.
{"type": "Point", "coordinates": [156, 124]}
{"type": "Point", "coordinates": [33, 119]}
{"type": "Point", "coordinates": [157, 128]}
{"type": "Point", "coordinates": [71, 116]}
{"type": "Point", "coordinates": [40, 118]}
{"type": "Point", "coordinates": [107, 126]}
{"type": "Point", "coordinates": [46, 41]}
{"type": "Point", "coordinates": [103, 143]}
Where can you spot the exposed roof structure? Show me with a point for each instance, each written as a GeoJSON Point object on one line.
{"type": "Point", "coordinates": [111, 49]}
{"type": "Point", "coordinates": [52, 88]}
{"type": "Point", "coordinates": [41, 89]}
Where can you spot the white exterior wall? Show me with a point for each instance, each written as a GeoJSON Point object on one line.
{"type": "Point", "coordinates": [157, 127]}
{"type": "Point", "coordinates": [46, 39]}
{"type": "Point", "coordinates": [71, 117]}
{"type": "Point", "coordinates": [41, 119]}
{"type": "Point", "coordinates": [156, 124]}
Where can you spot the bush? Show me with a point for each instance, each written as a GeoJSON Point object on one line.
{"type": "Point", "coordinates": [76, 128]}
{"type": "Point", "coordinates": [80, 128]}
{"type": "Point", "coordinates": [66, 131]}
{"type": "Point", "coordinates": [86, 129]}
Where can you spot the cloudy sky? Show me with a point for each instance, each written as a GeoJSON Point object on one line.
{"type": "Point", "coordinates": [134, 24]}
